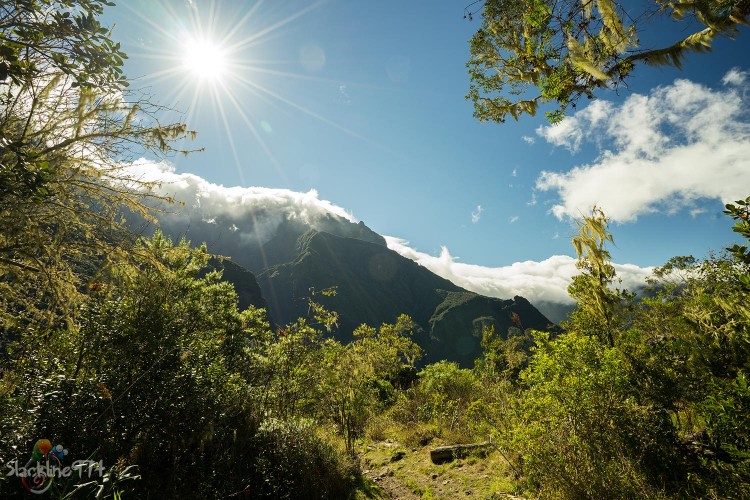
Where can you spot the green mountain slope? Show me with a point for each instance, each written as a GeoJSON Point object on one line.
{"type": "Point", "coordinates": [457, 323]}
{"type": "Point", "coordinates": [376, 284]}
{"type": "Point", "coordinates": [291, 254]}
{"type": "Point", "coordinates": [245, 284]}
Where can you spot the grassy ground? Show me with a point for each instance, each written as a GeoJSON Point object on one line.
{"type": "Point", "coordinates": [408, 473]}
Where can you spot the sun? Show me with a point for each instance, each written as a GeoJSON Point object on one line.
{"type": "Point", "coordinates": [209, 58]}
{"type": "Point", "coordinates": [204, 59]}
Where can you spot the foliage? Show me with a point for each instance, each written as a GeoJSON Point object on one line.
{"type": "Point", "coordinates": [696, 359]}
{"type": "Point", "coordinates": [59, 35]}
{"type": "Point", "coordinates": [360, 376]}
{"type": "Point", "coordinates": [740, 213]}
{"type": "Point", "coordinates": [504, 358]}
{"type": "Point", "coordinates": [530, 52]}
{"type": "Point", "coordinates": [449, 402]}
{"type": "Point", "coordinates": [639, 400]}
{"type": "Point", "coordinates": [102, 386]}
{"type": "Point", "coordinates": [68, 127]}
{"type": "Point", "coordinates": [157, 343]}
{"type": "Point", "coordinates": [583, 432]}
{"type": "Point", "coordinates": [286, 376]}
{"type": "Point", "coordinates": [600, 310]}
{"type": "Point", "coordinates": [451, 390]}
{"type": "Point", "coordinates": [294, 462]}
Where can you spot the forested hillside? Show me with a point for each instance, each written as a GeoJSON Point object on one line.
{"type": "Point", "coordinates": [292, 252]}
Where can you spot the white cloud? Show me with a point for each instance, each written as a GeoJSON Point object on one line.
{"type": "Point", "coordinates": [533, 201]}
{"type": "Point", "coordinates": [735, 76]}
{"type": "Point", "coordinates": [571, 131]}
{"type": "Point", "coordinates": [663, 153]}
{"type": "Point", "coordinates": [528, 140]}
{"type": "Point", "coordinates": [545, 281]}
{"type": "Point", "coordinates": [566, 133]}
{"type": "Point", "coordinates": [514, 173]}
{"type": "Point", "coordinates": [253, 212]}
{"type": "Point", "coordinates": [476, 214]}
{"type": "Point", "coordinates": [512, 219]}
{"type": "Point", "coordinates": [344, 97]}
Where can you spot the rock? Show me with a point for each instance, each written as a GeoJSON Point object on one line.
{"type": "Point", "coordinates": [398, 456]}
{"type": "Point", "coordinates": [444, 454]}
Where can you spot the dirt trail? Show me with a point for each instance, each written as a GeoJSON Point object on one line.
{"type": "Point", "coordinates": [404, 473]}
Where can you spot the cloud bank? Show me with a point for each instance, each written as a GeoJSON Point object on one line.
{"type": "Point", "coordinates": [254, 213]}
{"type": "Point", "coordinates": [545, 281]}
{"type": "Point", "coordinates": [660, 152]}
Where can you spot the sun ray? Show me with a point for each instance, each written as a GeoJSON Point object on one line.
{"type": "Point", "coordinates": [241, 22]}
{"type": "Point", "coordinates": [256, 134]}
{"type": "Point", "coordinates": [202, 61]}
{"type": "Point", "coordinates": [248, 42]}
{"type": "Point", "coordinates": [253, 85]}
{"type": "Point", "coordinates": [230, 138]}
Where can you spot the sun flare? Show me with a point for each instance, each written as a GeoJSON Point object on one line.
{"type": "Point", "coordinates": [210, 59]}
{"type": "Point", "coordinates": [204, 59]}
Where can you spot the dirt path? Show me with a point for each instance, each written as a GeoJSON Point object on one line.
{"type": "Point", "coordinates": [409, 474]}
{"type": "Point", "coordinates": [394, 487]}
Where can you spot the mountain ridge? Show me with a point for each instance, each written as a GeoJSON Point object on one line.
{"type": "Point", "coordinates": [376, 284]}
{"type": "Point", "coordinates": [290, 254]}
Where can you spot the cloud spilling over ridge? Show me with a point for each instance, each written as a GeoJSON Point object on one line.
{"type": "Point", "coordinates": [545, 281]}
{"type": "Point", "coordinates": [253, 212]}
{"type": "Point", "coordinates": [660, 152]}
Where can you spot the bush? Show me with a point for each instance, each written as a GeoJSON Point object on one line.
{"type": "Point", "coordinates": [581, 431]}
{"type": "Point", "coordinates": [294, 462]}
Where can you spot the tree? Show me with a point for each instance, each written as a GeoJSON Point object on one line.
{"type": "Point", "coordinates": [580, 430]}
{"type": "Point", "coordinates": [690, 346]}
{"type": "Point", "coordinates": [600, 310]}
{"type": "Point", "coordinates": [741, 214]}
{"type": "Point", "coordinates": [58, 35]}
{"type": "Point", "coordinates": [151, 376]}
{"type": "Point", "coordinates": [358, 376]}
{"type": "Point", "coordinates": [68, 127]}
{"type": "Point", "coordinates": [584, 429]}
{"type": "Point", "coordinates": [643, 400]}
{"type": "Point", "coordinates": [504, 357]}
{"type": "Point", "coordinates": [531, 52]}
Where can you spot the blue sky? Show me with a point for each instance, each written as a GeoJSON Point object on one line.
{"type": "Point", "coordinates": [364, 102]}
